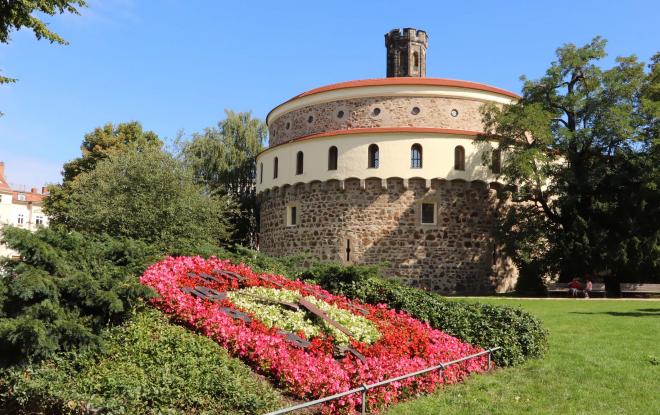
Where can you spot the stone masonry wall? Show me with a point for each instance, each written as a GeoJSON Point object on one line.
{"type": "Point", "coordinates": [433, 112]}
{"type": "Point", "coordinates": [383, 225]}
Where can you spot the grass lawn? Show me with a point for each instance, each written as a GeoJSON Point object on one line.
{"type": "Point", "coordinates": [604, 357]}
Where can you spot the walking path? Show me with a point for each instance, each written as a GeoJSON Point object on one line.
{"type": "Point", "coordinates": [554, 298]}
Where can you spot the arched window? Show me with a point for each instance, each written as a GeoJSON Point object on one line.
{"type": "Point", "coordinates": [416, 60]}
{"type": "Point", "coordinates": [299, 163]}
{"type": "Point", "coordinates": [496, 165]}
{"type": "Point", "coordinates": [374, 156]}
{"type": "Point", "coordinates": [416, 156]}
{"type": "Point", "coordinates": [459, 158]}
{"type": "Point", "coordinates": [261, 173]}
{"type": "Point", "coordinates": [275, 167]}
{"type": "Point", "coordinates": [332, 158]}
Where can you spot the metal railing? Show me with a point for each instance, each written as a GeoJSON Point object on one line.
{"type": "Point", "coordinates": [365, 388]}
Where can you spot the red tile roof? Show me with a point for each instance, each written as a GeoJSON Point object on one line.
{"type": "Point", "coordinates": [29, 197]}
{"type": "Point", "coordinates": [409, 81]}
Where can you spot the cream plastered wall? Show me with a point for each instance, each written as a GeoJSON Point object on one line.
{"type": "Point", "coordinates": [384, 91]}
{"type": "Point", "coordinates": [9, 211]}
{"type": "Point", "coordinates": [395, 154]}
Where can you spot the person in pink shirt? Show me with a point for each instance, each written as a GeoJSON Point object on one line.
{"type": "Point", "coordinates": [588, 287]}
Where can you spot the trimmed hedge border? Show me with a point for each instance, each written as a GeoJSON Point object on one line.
{"type": "Point", "coordinates": [520, 334]}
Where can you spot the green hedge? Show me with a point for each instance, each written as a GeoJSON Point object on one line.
{"type": "Point", "coordinates": [520, 334]}
{"type": "Point", "coordinates": [148, 366]}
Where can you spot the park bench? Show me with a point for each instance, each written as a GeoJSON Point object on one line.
{"type": "Point", "coordinates": [562, 287]}
{"type": "Point", "coordinates": [559, 287]}
{"type": "Point", "coordinates": [644, 289]}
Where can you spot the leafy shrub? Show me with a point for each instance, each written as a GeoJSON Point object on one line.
{"type": "Point", "coordinates": [149, 366]}
{"type": "Point", "coordinates": [144, 194]}
{"type": "Point", "coordinates": [64, 290]}
{"type": "Point", "coordinates": [520, 334]}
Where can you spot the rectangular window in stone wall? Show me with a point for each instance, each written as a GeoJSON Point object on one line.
{"type": "Point", "coordinates": [496, 165]}
{"type": "Point", "coordinates": [428, 214]}
{"type": "Point", "coordinates": [291, 215]}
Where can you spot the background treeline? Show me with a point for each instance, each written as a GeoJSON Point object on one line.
{"type": "Point", "coordinates": [582, 159]}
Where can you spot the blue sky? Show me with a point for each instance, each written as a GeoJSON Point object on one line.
{"type": "Point", "coordinates": [175, 65]}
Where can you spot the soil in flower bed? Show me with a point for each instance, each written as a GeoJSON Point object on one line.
{"type": "Point", "coordinates": [306, 340]}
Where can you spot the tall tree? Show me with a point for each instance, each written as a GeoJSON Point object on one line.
{"type": "Point", "coordinates": [107, 140]}
{"type": "Point", "coordinates": [581, 150]}
{"type": "Point", "coordinates": [150, 196]}
{"type": "Point", "coordinates": [96, 146]}
{"type": "Point", "coordinates": [15, 15]}
{"type": "Point", "coordinates": [224, 161]}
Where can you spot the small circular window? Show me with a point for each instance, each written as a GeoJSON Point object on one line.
{"type": "Point", "coordinates": [415, 111]}
{"type": "Point", "coordinates": [288, 125]}
{"type": "Point", "coordinates": [454, 112]}
{"type": "Point", "coordinates": [375, 112]}
{"type": "Point", "coordinates": [340, 114]}
{"type": "Point", "coordinates": [310, 119]}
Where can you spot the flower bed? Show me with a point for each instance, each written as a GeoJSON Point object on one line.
{"type": "Point", "coordinates": [272, 323]}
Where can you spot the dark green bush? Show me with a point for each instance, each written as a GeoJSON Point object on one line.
{"type": "Point", "coordinates": [65, 289]}
{"type": "Point", "coordinates": [520, 334]}
{"type": "Point", "coordinates": [148, 366]}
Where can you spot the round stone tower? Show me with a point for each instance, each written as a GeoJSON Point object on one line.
{"type": "Point", "coordinates": [386, 171]}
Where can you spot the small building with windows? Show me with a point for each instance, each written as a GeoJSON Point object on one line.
{"type": "Point", "coordinates": [19, 208]}
{"type": "Point", "coordinates": [387, 171]}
